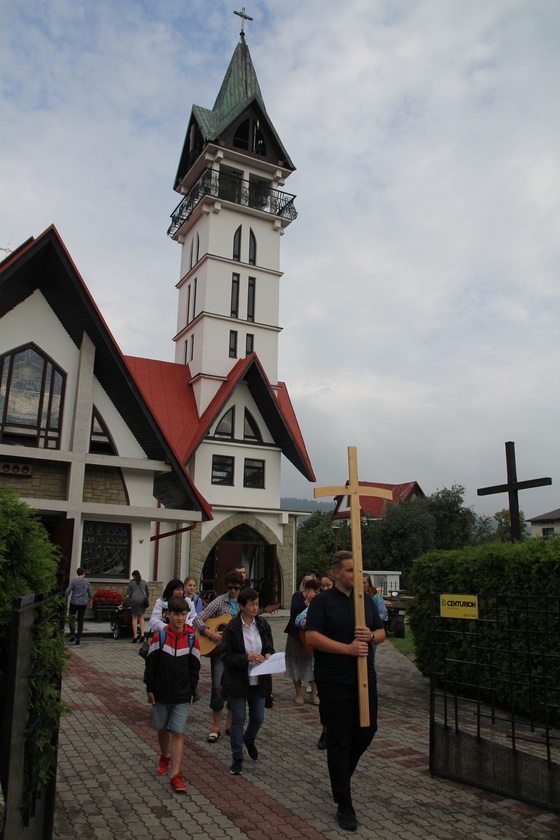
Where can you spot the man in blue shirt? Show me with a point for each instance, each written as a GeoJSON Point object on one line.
{"type": "Point", "coordinates": [331, 630]}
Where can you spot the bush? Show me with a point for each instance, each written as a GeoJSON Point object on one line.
{"type": "Point", "coordinates": [525, 575]}
{"type": "Point", "coordinates": [28, 565]}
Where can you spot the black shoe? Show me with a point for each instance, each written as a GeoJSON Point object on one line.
{"type": "Point", "coordinates": [77, 642]}
{"type": "Point", "coordinates": [236, 768]}
{"type": "Point", "coordinates": [71, 639]}
{"type": "Point", "coordinates": [252, 750]}
{"type": "Point", "coordinates": [346, 818]}
{"type": "Point", "coordinates": [322, 742]}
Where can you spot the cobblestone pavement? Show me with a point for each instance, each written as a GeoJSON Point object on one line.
{"type": "Point", "coordinates": [108, 788]}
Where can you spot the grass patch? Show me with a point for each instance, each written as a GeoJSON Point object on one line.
{"type": "Point", "coordinates": [405, 645]}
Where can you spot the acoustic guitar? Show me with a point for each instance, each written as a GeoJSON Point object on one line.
{"type": "Point", "coordinates": [208, 647]}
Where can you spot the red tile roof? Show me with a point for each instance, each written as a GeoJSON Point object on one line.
{"type": "Point", "coordinates": [374, 506]}
{"type": "Point", "coordinates": [167, 389]}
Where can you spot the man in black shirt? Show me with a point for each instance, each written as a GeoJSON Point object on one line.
{"type": "Point", "coordinates": [331, 630]}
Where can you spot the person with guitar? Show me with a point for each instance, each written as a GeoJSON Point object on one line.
{"type": "Point", "coordinates": [209, 624]}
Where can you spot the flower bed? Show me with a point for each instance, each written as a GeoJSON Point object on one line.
{"type": "Point", "coordinates": [105, 602]}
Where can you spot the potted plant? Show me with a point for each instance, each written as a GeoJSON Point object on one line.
{"type": "Point", "coordinates": [106, 601]}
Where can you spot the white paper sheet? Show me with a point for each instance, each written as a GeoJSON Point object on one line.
{"type": "Point", "coordinates": [275, 665]}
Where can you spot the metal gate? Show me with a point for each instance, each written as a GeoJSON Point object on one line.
{"type": "Point", "coordinates": [495, 697]}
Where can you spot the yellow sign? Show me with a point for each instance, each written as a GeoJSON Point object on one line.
{"type": "Point", "coordinates": [458, 606]}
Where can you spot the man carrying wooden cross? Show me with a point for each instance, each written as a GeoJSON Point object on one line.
{"type": "Point", "coordinates": [342, 626]}
{"type": "Point", "coordinates": [331, 630]}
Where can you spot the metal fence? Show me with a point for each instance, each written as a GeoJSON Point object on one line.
{"type": "Point", "coordinates": [495, 698]}
{"type": "Point", "coordinates": [28, 799]}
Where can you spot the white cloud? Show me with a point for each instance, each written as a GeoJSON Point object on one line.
{"type": "Point", "coordinates": [420, 299]}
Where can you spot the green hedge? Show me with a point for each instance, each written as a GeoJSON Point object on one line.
{"type": "Point", "coordinates": [28, 565]}
{"type": "Point", "coordinates": [524, 574]}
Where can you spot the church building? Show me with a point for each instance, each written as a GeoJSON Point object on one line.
{"type": "Point", "coordinates": [203, 436]}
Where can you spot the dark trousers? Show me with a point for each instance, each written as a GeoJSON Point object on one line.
{"type": "Point", "coordinates": [346, 739]}
{"type": "Point", "coordinates": [80, 609]}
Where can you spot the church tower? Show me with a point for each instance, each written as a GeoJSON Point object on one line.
{"type": "Point", "coordinates": [234, 420]}
{"type": "Point", "coordinates": [229, 224]}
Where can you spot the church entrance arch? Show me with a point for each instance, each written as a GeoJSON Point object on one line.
{"type": "Point", "coordinates": [243, 546]}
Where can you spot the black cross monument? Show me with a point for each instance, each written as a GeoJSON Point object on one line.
{"type": "Point", "coordinates": [512, 488]}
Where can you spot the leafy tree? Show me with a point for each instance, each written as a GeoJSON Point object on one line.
{"type": "Point", "coordinates": [406, 532]}
{"type": "Point", "coordinates": [454, 523]}
{"type": "Point", "coordinates": [316, 543]}
{"type": "Point", "coordinates": [483, 530]}
{"type": "Point", "coordinates": [503, 531]}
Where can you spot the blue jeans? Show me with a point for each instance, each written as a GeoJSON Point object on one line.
{"type": "Point", "coordinates": [256, 718]}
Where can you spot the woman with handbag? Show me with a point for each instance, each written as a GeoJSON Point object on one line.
{"type": "Point", "coordinates": [139, 594]}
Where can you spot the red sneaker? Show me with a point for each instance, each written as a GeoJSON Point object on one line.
{"type": "Point", "coordinates": [163, 764]}
{"type": "Point", "coordinates": [177, 783]}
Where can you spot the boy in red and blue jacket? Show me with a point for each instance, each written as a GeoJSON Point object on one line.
{"type": "Point", "coordinates": [171, 677]}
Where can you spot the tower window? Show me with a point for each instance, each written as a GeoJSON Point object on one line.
{"type": "Point", "coordinates": [197, 247]}
{"type": "Point", "coordinates": [253, 473]}
{"type": "Point", "coordinates": [31, 399]}
{"type": "Point", "coordinates": [234, 309]}
{"type": "Point", "coordinates": [252, 248]}
{"type": "Point", "coordinates": [259, 146]}
{"type": "Point", "coordinates": [233, 344]}
{"type": "Point", "coordinates": [192, 347]}
{"type": "Point", "coordinates": [225, 427]}
{"type": "Point", "coordinates": [194, 300]}
{"type": "Point", "coordinates": [222, 469]}
{"type": "Point", "coordinates": [237, 244]}
{"type": "Point", "coordinates": [241, 136]}
{"type": "Point", "coordinates": [249, 343]}
{"type": "Point", "coordinates": [251, 288]}
{"type": "Point", "coordinates": [251, 430]}
{"type": "Point", "coordinates": [188, 303]}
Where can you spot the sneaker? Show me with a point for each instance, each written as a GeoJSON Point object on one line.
{"type": "Point", "coordinates": [177, 783]}
{"type": "Point", "coordinates": [322, 742]}
{"type": "Point", "coordinates": [236, 768]}
{"type": "Point", "coordinates": [346, 818]}
{"type": "Point", "coordinates": [71, 639]}
{"type": "Point", "coordinates": [163, 764]}
{"type": "Point", "coordinates": [252, 750]}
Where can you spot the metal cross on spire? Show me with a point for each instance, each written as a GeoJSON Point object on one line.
{"type": "Point", "coordinates": [243, 17]}
{"type": "Point", "coordinates": [354, 490]}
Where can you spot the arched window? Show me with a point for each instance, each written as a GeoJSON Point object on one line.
{"type": "Point", "coordinates": [251, 430]}
{"type": "Point", "coordinates": [100, 440]}
{"type": "Point", "coordinates": [252, 248]}
{"type": "Point", "coordinates": [31, 398]}
{"type": "Point", "coordinates": [237, 244]}
{"type": "Point", "coordinates": [197, 247]}
{"type": "Point", "coordinates": [226, 426]}
{"type": "Point", "coordinates": [241, 136]}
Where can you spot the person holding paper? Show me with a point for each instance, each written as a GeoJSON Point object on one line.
{"type": "Point", "coordinates": [246, 642]}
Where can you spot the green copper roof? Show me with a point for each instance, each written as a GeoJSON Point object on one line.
{"type": "Point", "coordinates": [239, 88]}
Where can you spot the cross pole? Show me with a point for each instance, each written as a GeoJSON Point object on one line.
{"type": "Point", "coordinates": [243, 17]}
{"type": "Point", "coordinates": [512, 488]}
{"type": "Point", "coordinates": [353, 490]}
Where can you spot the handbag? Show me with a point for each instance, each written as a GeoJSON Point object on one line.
{"type": "Point", "coordinates": [144, 647]}
{"type": "Point", "coordinates": [146, 603]}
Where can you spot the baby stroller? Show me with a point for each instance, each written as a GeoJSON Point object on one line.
{"type": "Point", "coordinates": [121, 619]}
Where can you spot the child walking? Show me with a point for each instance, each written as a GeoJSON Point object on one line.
{"type": "Point", "coordinates": [171, 677]}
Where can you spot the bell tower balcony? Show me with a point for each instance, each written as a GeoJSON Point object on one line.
{"type": "Point", "coordinates": [224, 186]}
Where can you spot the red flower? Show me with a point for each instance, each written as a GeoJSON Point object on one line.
{"type": "Point", "coordinates": [107, 597]}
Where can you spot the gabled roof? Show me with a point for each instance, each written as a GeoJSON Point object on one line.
{"type": "Point", "coordinates": [166, 387]}
{"type": "Point", "coordinates": [373, 505]}
{"type": "Point", "coordinates": [551, 516]}
{"type": "Point", "coordinates": [240, 89]}
{"type": "Point", "coordinates": [44, 264]}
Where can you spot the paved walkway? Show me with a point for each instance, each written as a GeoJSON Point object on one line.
{"type": "Point", "coordinates": [107, 786]}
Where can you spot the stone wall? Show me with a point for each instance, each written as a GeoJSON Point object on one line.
{"type": "Point", "coordinates": [49, 480]}
{"type": "Point", "coordinates": [104, 485]}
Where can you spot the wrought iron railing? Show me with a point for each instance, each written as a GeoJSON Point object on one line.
{"type": "Point", "coordinates": [222, 185]}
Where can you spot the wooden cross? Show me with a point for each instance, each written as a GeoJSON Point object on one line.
{"type": "Point", "coordinates": [512, 488]}
{"type": "Point", "coordinates": [354, 491]}
{"type": "Point", "coordinates": [243, 17]}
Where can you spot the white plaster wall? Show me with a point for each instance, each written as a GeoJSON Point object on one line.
{"type": "Point", "coordinates": [126, 443]}
{"type": "Point", "coordinates": [237, 495]}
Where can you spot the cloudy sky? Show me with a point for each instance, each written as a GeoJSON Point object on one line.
{"type": "Point", "coordinates": [420, 300]}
